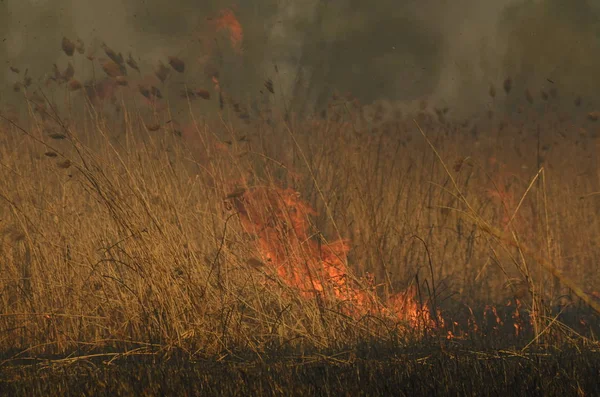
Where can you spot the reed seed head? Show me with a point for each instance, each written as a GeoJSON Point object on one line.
{"type": "Point", "coordinates": [177, 64]}
{"type": "Point", "coordinates": [68, 46]}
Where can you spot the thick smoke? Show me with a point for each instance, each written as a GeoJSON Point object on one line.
{"type": "Point", "coordinates": [450, 52]}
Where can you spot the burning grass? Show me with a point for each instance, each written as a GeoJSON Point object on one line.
{"type": "Point", "coordinates": [247, 235]}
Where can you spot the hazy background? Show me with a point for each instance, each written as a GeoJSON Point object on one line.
{"type": "Point", "coordinates": [448, 51]}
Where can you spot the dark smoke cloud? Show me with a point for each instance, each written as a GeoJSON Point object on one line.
{"type": "Point", "coordinates": [448, 51]}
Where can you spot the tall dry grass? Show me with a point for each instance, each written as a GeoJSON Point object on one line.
{"type": "Point", "coordinates": [116, 235]}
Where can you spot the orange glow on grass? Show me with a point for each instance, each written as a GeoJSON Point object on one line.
{"type": "Point", "coordinates": [279, 220]}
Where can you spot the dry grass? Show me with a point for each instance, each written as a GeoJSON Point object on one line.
{"type": "Point", "coordinates": [114, 236]}
{"type": "Point", "coordinates": [125, 224]}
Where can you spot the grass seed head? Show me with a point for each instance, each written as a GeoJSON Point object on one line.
{"type": "Point", "coordinates": [150, 92]}
{"type": "Point", "coordinates": [197, 93]}
{"type": "Point", "coordinates": [26, 81]}
{"type": "Point", "coordinates": [145, 91]}
{"type": "Point", "coordinates": [116, 58]}
{"type": "Point", "coordinates": [594, 116]}
{"type": "Point", "coordinates": [57, 136]}
{"type": "Point", "coordinates": [68, 46]}
{"type": "Point", "coordinates": [80, 46]}
{"type": "Point", "coordinates": [121, 80]}
{"type": "Point", "coordinates": [69, 72]}
{"type": "Point", "coordinates": [132, 63]}
{"type": "Point", "coordinates": [74, 85]}
{"type": "Point", "coordinates": [269, 86]}
{"type": "Point", "coordinates": [202, 93]}
{"type": "Point", "coordinates": [177, 64]}
{"type": "Point", "coordinates": [57, 75]}
{"type": "Point", "coordinates": [153, 126]}
{"type": "Point", "coordinates": [528, 96]}
{"type": "Point", "coordinates": [64, 164]}
{"type": "Point", "coordinates": [155, 92]}
{"type": "Point", "coordinates": [112, 69]}
{"type": "Point", "coordinates": [162, 72]}
{"type": "Point", "coordinates": [507, 85]}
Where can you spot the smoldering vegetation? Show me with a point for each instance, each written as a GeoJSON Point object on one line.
{"type": "Point", "coordinates": [161, 232]}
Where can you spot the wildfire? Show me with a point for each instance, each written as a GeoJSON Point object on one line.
{"type": "Point", "coordinates": [278, 218]}
{"type": "Point", "coordinates": [229, 22]}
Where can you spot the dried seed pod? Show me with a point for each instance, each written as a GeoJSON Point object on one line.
{"type": "Point", "coordinates": [255, 263]}
{"type": "Point", "coordinates": [197, 93]}
{"type": "Point", "coordinates": [112, 69]}
{"type": "Point", "coordinates": [74, 85]}
{"type": "Point", "coordinates": [68, 46]}
{"type": "Point", "coordinates": [202, 93]}
{"type": "Point", "coordinates": [26, 79]}
{"type": "Point", "coordinates": [121, 80]}
{"type": "Point", "coordinates": [57, 74]}
{"type": "Point", "coordinates": [68, 73]}
{"type": "Point", "coordinates": [492, 91]}
{"type": "Point", "coordinates": [145, 91]}
{"type": "Point", "coordinates": [269, 86]}
{"type": "Point", "coordinates": [155, 92]}
{"type": "Point", "coordinates": [528, 96]}
{"type": "Point", "coordinates": [64, 164]}
{"type": "Point", "coordinates": [236, 193]}
{"type": "Point", "coordinates": [118, 59]}
{"type": "Point", "coordinates": [79, 46]}
{"type": "Point", "coordinates": [177, 64]}
{"type": "Point", "coordinates": [150, 92]}
{"type": "Point", "coordinates": [507, 85]}
{"type": "Point", "coordinates": [162, 72]}
{"type": "Point", "coordinates": [153, 127]}
{"type": "Point", "coordinates": [132, 63]}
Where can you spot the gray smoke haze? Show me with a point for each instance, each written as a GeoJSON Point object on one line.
{"type": "Point", "coordinates": [448, 51]}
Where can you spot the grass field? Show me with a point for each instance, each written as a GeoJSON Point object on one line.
{"type": "Point", "coordinates": [363, 251]}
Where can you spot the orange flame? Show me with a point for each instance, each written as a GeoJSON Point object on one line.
{"type": "Point", "coordinates": [279, 220]}
{"type": "Point", "coordinates": [229, 22]}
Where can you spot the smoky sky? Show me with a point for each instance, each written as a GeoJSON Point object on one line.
{"type": "Point", "coordinates": [448, 51]}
